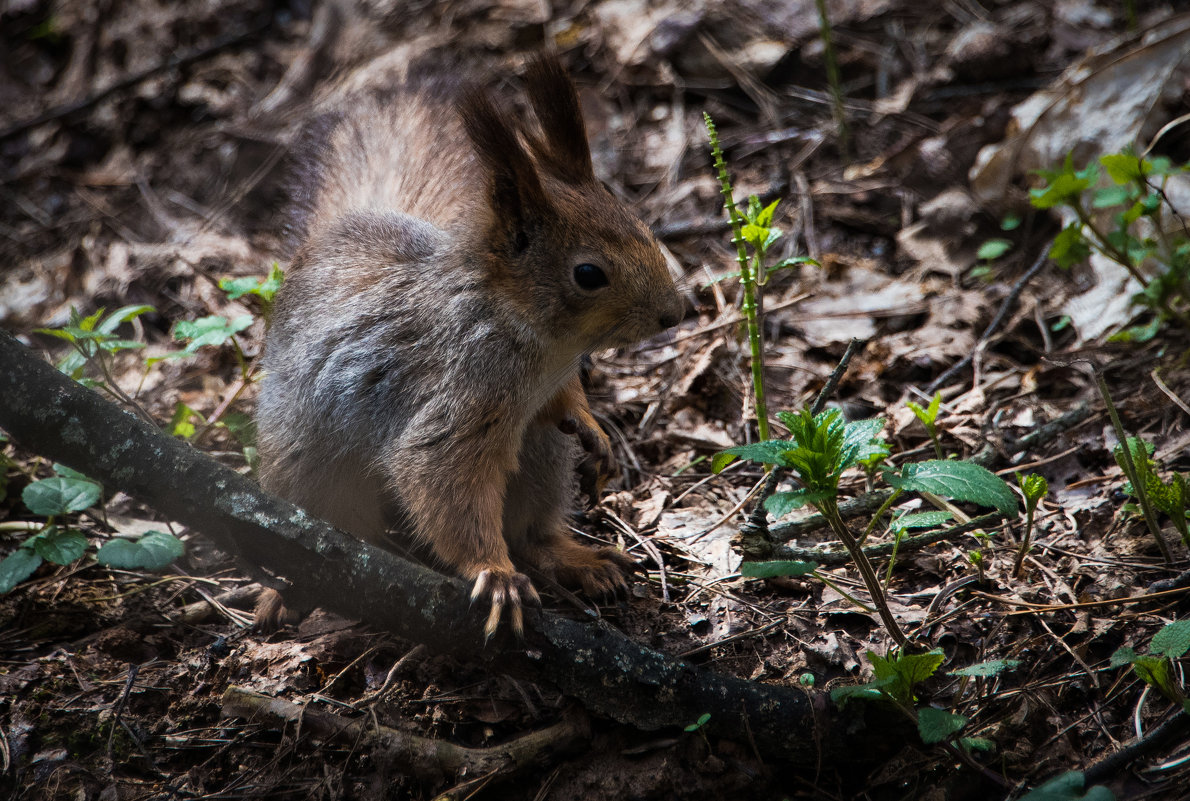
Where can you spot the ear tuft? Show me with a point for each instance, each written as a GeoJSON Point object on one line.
{"type": "Point", "coordinates": [555, 102]}
{"type": "Point", "coordinates": [516, 194]}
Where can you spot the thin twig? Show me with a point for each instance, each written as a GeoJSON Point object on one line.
{"type": "Point", "coordinates": [831, 558]}
{"type": "Point", "coordinates": [173, 62]}
{"type": "Point", "coordinates": [1005, 305]}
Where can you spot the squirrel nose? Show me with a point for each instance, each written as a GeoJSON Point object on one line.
{"type": "Point", "coordinates": [674, 314]}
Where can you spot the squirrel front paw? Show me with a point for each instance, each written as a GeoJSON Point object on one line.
{"type": "Point", "coordinates": [595, 470]}
{"type": "Point", "coordinates": [504, 587]}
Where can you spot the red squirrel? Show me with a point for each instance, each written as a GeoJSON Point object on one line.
{"type": "Point", "coordinates": [422, 360]}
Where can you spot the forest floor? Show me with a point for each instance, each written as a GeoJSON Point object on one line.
{"type": "Point", "coordinates": [112, 680]}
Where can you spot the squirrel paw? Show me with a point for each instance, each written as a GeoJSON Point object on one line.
{"type": "Point", "coordinates": [601, 574]}
{"type": "Point", "coordinates": [595, 470]}
{"type": "Point", "coordinates": [504, 587]}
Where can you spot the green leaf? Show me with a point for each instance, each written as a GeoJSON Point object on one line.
{"type": "Point", "coordinates": [698, 724]}
{"type": "Point", "coordinates": [16, 567]}
{"type": "Point", "coordinates": [774, 569]}
{"type": "Point", "coordinates": [992, 667]}
{"type": "Point", "coordinates": [872, 691]}
{"type": "Point", "coordinates": [780, 504]}
{"type": "Point", "coordinates": [1033, 486]}
{"type": "Point", "coordinates": [181, 424]}
{"type": "Point", "coordinates": [1123, 656]}
{"type": "Point", "coordinates": [241, 426]}
{"type": "Point", "coordinates": [960, 481]}
{"type": "Point", "coordinates": [1173, 640]}
{"type": "Point", "coordinates": [1139, 334]}
{"type": "Point", "coordinates": [154, 551]}
{"type": "Point", "coordinates": [1069, 787]}
{"type": "Point", "coordinates": [922, 520]}
{"type": "Point", "coordinates": [765, 216]}
{"type": "Point", "coordinates": [905, 671]}
{"type": "Point", "coordinates": [213, 330]}
{"type": "Point", "coordinates": [1065, 186]}
{"type": "Point", "coordinates": [59, 496]}
{"type": "Point", "coordinates": [120, 316]}
{"type": "Point", "coordinates": [1070, 247]}
{"type": "Point", "coordinates": [993, 249]}
{"type": "Point", "coordinates": [1110, 196]}
{"type": "Point", "coordinates": [792, 261]}
{"type": "Point", "coordinates": [977, 744]}
{"type": "Point", "coordinates": [936, 725]}
{"type": "Point", "coordinates": [1124, 168]}
{"type": "Point", "coordinates": [864, 437]}
{"type": "Point", "coordinates": [769, 452]}
{"type": "Point", "coordinates": [1011, 222]}
{"type": "Point", "coordinates": [59, 546]}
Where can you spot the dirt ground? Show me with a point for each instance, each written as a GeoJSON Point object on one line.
{"type": "Point", "coordinates": [141, 149]}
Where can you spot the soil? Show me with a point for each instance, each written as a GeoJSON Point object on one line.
{"type": "Point", "coordinates": [142, 152]}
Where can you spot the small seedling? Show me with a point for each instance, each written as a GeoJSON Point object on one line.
{"type": "Point", "coordinates": [1156, 668]}
{"type": "Point", "coordinates": [901, 526]}
{"type": "Point", "coordinates": [752, 227]}
{"type": "Point", "coordinates": [896, 679]}
{"type": "Point", "coordinates": [263, 289]}
{"type": "Point", "coordinates": [66, 494]}
{"type": "Point", "coordinates": [928, 417]}
{"type": "Point", "coordinates": [821, 447]}
{"type": "Point", "coordinates": [1164, 496]}
{"type": "Point", "coordinates": [1136, 194]}
{"type": "Point", "coordinates": [1034, 488]}
{"type": "Point", "coordinates": [93, 340]}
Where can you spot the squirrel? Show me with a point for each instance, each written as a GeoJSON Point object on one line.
{"type": "Point", "coordinates": [422, 361]}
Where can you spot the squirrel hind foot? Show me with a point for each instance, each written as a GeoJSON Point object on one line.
{"type": "Point", "coordinates": [270, 612]}
{"type": "Point", "coordinates": [599, 573]}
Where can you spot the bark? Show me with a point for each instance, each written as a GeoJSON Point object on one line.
{"type": "Point", "coordinates": [47, 413]}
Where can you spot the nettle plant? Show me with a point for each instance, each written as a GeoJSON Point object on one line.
{"type": "Point", "coordinates": [819, 450]}
{"type": "Point", "coordinates": [1145, 235]}
{"type": "Point", "coordinates": [60, 500]}
{"type": "Point", "coordinates": [896, 679]}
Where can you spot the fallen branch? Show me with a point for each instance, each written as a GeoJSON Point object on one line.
{"type": "Point", "coordinates": [610, 674]}
{"type": "Point", "coordinates": [428, 759]}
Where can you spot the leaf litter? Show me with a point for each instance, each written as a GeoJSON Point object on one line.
{"type": "Point", "coordinates": [150, 195]}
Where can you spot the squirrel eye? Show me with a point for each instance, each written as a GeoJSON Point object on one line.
{"type": "Point", "coordinates": [589, 277]}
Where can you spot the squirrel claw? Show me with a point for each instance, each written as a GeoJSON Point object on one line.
{"type": "Point", "coordinates": [504, 588]}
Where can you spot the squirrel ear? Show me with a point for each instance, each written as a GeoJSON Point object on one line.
{"type": "Point", "coordinates": [555, 102]}
{"type": "Point", "coordinates": [516, 193]}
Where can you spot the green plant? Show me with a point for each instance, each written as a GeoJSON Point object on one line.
{"type": "Point", "coordinates": [1133, 459]}
{"type": "Point", "coordinates": [832, 79]}
{"type": "Point", "coordinates": [1034, 488]}
{"type": "Point", "coordinates": [1069, 787]}
{"type": "Point", "coordinates": [93, 341]}
{"type": "Point", "coordinates": [1137, 233]}
{"type": "Point", "coordinates": [897, 677]}
{"type": "Point", "coordinates": [821, 447]}
{"type": "Point", "coordinates": [754, 228]}
{"type": "Point", "coordinates": [901, 525]}
{"type": "Point", "coordinates": [1164, 496]}
{"type": "Point", "coordinates": [1156, 668]}
{"type": "Point", "coordinates": [68, 493]}
{"type": "Point", "coordinates": [263, 289]}
{"type": "Point", "coordinates": [928, 417]}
